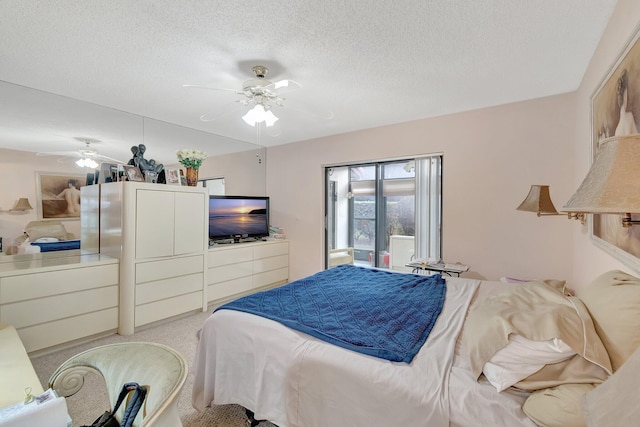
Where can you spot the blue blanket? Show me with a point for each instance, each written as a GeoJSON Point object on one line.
{"type": "Point", "coordinates": [376, 312]}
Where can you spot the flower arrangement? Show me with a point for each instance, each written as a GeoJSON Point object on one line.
{"type": "Point", "coordinates": [191, 158]}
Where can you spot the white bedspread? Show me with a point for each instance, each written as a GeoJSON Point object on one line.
{"type": "Point", "coordinates": [295, 380]}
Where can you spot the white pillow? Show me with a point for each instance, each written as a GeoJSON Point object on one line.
{"type": "Point", "coordinates": [522, 357]}
{"type": "Point", "coordinates": [46, 240]}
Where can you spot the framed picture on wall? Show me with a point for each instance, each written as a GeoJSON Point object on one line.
{"type": "Point", "coordinates": [58, 195]}
{"type": "Point", "coordinates": [615, 111]}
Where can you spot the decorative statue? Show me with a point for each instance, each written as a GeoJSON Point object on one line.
{"type": "Point", "coordinates": [134, 151]}
{"type": "Point", "coordinates": [143, 164]}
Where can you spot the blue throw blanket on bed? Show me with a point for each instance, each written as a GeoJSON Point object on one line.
{"type": "Point", "coordinates": [376, 312]}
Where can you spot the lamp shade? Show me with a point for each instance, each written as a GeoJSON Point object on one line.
{"type": "Point", "coordinates": [539, 201]}
{"type": "Point", "coordinates": [612, 185]}
{"type": "Point", "coordinates": [22, 205]}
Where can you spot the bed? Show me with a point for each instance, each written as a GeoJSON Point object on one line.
{"type": "Point", "coordinates": [292, 378]}
{"type": "Point", "coordinates": [46, 236]}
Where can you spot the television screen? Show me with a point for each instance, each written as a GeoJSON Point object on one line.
{"type": "Point", "coordinates": [238, 217]}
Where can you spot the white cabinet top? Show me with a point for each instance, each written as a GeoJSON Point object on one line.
{"type": "Point", "coordinates": [11, 265]}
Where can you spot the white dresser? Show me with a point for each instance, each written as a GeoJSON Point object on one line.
{"type": "Point", "coordinates": [159, 233]}
{"type": "Point", "coordinates": [240, 268]}
{"type": "Point", "coordinates": [54, 298]}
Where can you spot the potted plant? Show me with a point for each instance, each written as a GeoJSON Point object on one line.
{"type": "Point", "coordinates": [192, 160]}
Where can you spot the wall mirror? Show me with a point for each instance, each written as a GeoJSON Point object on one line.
{"type": "Point", "coordinates": [36, 121]}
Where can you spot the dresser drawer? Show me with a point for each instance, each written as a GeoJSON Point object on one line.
{"type": "Point", "coordinates": [163, 309]}
{"type": "Point", "coordinates": [161, 289]}
{"type": "Point", "coordinates": [36, 285]}
{"type": "Point", "coordinates": [229, 272]}
{"type": "Point", "coordinates": [224, 256]}
{"type": "Point", "coordinates": [271, 263]}
{"type": "Point", "coordinates": [156, 270]}
{"type": "Point", "coordinates": [64, 330]}
{"type": "Point", "coordinates": [271, 249]}
{"type": "Point", "coordinates": [43, 310]}
{"type": "Point", "coordinates": [229, 288]}
{"type": "Point", "coordinates": [272, 277]}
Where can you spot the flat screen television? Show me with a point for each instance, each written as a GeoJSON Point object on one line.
{"type": "Point", "coordinates": [239, 218]}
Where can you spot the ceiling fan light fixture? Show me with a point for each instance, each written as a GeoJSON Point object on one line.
{"type": "Point", "coordinates": [269, 118]}
{"type": "Point", "coordinates": [87, 163]}
{"type": "Point", "coordinates": [258, 115]}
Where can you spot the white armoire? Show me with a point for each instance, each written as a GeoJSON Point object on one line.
{"type": "Point", "coordinates": [159, 234]}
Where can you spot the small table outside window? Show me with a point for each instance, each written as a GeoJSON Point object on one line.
{"type": "Point", "coordinates": [448, 269]}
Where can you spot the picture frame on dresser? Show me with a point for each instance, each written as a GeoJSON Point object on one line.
{"type": "Point", "coordinates": [172, 176]}
{"type": "Point", "coordinates": [133, 173]}
{"type": "Point", "coordinates": [58, 195]}
{"type": "Point", "coordinates": [615, 111]}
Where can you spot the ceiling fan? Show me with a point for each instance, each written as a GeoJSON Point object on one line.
{"type": "Point", "coordinates": [258, 93]}
{"type": "Point", "coordinates": [84, 157]}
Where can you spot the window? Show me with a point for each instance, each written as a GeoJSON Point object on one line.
{"type": "Point", "coordinates": [389, 212]}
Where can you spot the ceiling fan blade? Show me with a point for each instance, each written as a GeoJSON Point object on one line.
{"type": "Point", "coordinates": [222, 112]}
{"type": "Point", "coordinates": [213, 115]}
{"type": "Point", "coordinates": [59, 153]}
{"type": "Point", "coordinates": [72, 156]}
{"type": "Point", "coordinates": [82, 153]}
{"type": "Point", "coordinates": [212, 88]}
{"type": "Point", "coordinates": [283, 86]}
{"type": "Point", "coordinates": [105, 159]}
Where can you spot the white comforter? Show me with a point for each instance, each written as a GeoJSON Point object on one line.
{"type": "Point", "coordinates": [295, 380]}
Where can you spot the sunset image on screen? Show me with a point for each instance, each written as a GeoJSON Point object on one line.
{"type": "Point", "coordinates": [237, 216]}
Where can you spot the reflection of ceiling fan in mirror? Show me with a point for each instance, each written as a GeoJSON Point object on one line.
{"type": "Point", "coordinates": [261, 95]}
{"type": "Point", "coordinates": [85, 157]}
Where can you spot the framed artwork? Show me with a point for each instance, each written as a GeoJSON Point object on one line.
{"type": "Point", "coordinates": [133, 173]}
{"type": "Point", "coordinates": [58, 195]}
{"type": "Point", "coordinates": [615, 111]}
{"type": "Point", "coordinates": [172, 176]}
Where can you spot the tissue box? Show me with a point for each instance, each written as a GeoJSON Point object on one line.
{"type": "Point", "coordinates": [46, 410]}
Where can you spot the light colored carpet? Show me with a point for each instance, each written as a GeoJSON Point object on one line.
{"type": "Point", "coordinates": [180, 334]}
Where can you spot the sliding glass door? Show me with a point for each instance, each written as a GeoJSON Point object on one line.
{"type": "Point", "coordinates": [378, 211]}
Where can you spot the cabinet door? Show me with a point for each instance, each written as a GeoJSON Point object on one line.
{"type": "Point", "coordinates": [190, 230]}
{"type": "Point", "coordinates": [154, 223]}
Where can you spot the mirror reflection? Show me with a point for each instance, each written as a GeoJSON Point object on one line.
{"type": "Point", "coordinates": [44, 132]}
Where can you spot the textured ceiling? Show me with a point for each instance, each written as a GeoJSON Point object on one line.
{"type": "Point", "coordinates": [362, 63]}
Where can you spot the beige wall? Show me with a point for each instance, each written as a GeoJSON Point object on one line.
{"type": "Point", "coordinates": [590, 260]}
{"type": "Point", "coordinates": [491, 157]}
{"type": "Point", "coordinates": [243, 172]}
